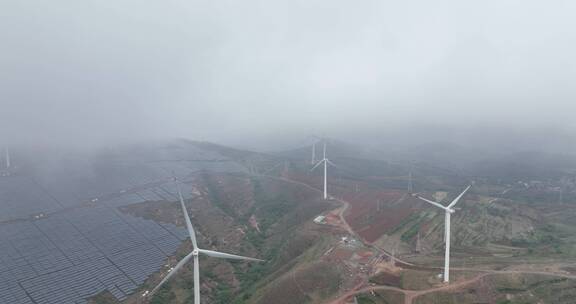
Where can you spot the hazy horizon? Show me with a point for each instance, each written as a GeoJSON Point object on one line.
{"type": "Point", "coordinates": [262, 74]}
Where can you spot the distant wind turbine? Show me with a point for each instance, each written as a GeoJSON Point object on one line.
{"type": "Point", "coordinates": [316, 141]}
{"type": "Point", "coordinates": [194, 254]}
{"type": "Point", "coordinates": [448, 211]}
{"type": "Point", "coordinates": [313, 153]}
{"type": "Point", "coordinates": [410, 182]}
{"type": "Point", "coordinates": [7, 154]}
{"type": "Point", "coordinates": [325, 161]}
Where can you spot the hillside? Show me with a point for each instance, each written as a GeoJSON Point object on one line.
{"type": "Point", "coordinates": [246, 215]}
{"type": "Point", "coordinates": [374, 233]}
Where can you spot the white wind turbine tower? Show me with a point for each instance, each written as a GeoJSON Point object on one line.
{"type": "Point", "coordinates": [448, 211]}
{"type": "Point", "coordinates": [194, 254]}
{"type": "Point", "coordinates": [410, 182]}
{"type": "Point", "coordinates": [7, 155]}
{"type": "Point", "coordinates": [316, 141]}
{"type": "Point", "coordinates": [325, 161]}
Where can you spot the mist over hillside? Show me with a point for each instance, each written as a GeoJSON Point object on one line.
{"type": "Point", "coordinates": [339, 152]}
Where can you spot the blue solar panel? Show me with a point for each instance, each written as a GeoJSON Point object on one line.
{"type": "Point", "coordinates": [76, 254]}
{"type": "Point", "coordinates": [60, 245]}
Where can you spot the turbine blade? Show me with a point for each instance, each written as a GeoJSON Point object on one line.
{"type": "Point", "coordinates": [455, 201]}
{"type": "Point", "coordinates": [331, 163]}
{"type": "Point", "coordinates": [432, 202]}
{"type": "Point", "coordinates": [188, 222]}
{"type": "Point", "coordinates": [221, 255]}
{"type": "Point", "coordinates": [317, 164]}
{"type": "Point", "coordinates": [172, 272]}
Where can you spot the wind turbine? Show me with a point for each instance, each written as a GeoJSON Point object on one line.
{"type": "Point", "coordinates": [316, 141]}
{"type": "Point", "coordinates": [325, 161]}
{"type": "Point", "coordinates": [410, 183]}
{"type": "Point", "coordinates": [448, 211]}
{"type": "Point", "coordinates": [7, 155]}
{"type": "Point", "coordinates": [313, 153]}
{"type": "Point", "coordinates": [194, 254]}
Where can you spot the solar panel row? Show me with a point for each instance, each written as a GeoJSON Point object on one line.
{"type": "Point", "coordinates": [50, 191]}
{"type": "Point", "coordinates": [73, 255]}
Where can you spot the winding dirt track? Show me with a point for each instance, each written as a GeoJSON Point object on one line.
{"type": "Point", "coordinates": [345, 206]}
{"type": "Point", "coordinates": [411, 295]}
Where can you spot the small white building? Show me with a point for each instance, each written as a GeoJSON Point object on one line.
{"type": "Point", "coordinates": [319, 219]}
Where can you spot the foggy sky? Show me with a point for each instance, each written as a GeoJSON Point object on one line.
{"type": "Point", "coordinates": [96, 71]}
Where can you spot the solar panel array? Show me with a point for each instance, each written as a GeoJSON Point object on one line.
{"type": "Point", "coordinates": [76, 250]}
{"type": "Point", "coordinates": [20, 197]}
{"type": "Point", "coordinates": [77, 254]}
{"type": "Point", "coordinates": [23, 196]}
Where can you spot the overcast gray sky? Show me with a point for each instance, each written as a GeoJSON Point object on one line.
{"type": "Point", "coordinates": [103, 70]}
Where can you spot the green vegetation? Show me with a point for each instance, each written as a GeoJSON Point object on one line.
{"type": "Point", "coordinates": [545, 237]}
{"type": "Point", "coordinates": [534, 289]}
{"type": "Point", "coordinates": [381, 297]}
{"type": "Point", "coordinates": [214, 195]}
{"type": "Point", "coordinates": [269, 208]}
{"type": "Point", "coordinates": [164, 295]}
{"type": "Point", "coordinates": [223, 294]}
{"type": "Point", "coordinates": [415, 280]}
{"type": "Point", "coordinates": [410, 226]}
{"type": "Point", "coordinates": [412, 231]}
{"type": "Point", "coordinates": [413, 218]}
{"type": "Point", "coordinates": [509, 289]}
{"type": "Point", "coordinates": [365, 299]}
